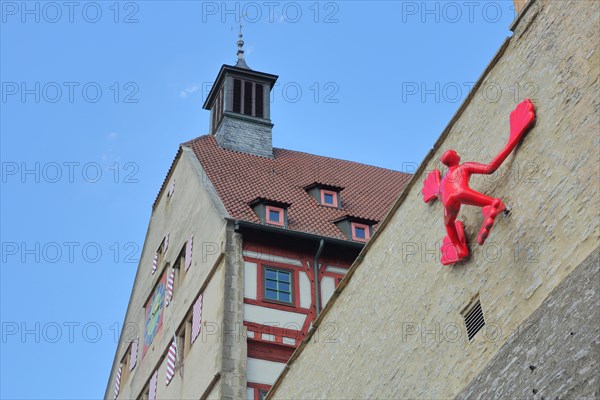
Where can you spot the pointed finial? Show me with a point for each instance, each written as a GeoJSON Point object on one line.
{"type": "Point", "coordinates": [241, 61]}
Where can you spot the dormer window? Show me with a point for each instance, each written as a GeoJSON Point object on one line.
{"type": "Point", "coordinates": [325, 195]}
{"type": "Point", "coordinates": [356, 228]}
{"type": "Point", "coordinates": [329, 198]}
{"type": "Point", "coordinates": [271, 212]}
{"type": "Point", "coordinates": [275, 215]}
{"type": "Point", "coordinates": [360, 232]}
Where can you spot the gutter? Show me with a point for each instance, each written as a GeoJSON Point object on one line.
{"type": "Point", "coordinates": [316, 268]}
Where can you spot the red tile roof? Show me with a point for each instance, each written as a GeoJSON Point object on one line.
{"type": "Point", "coordinates": [239, 178]}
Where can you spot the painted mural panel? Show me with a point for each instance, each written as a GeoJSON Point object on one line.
{"type": "Point", "coordinates": [154, 313]}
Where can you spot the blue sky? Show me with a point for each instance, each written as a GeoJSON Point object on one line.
{"type": "Point", "coordinates": [97, 96]}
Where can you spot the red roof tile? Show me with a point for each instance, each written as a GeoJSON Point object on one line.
{"type": "Point", "coordinates": [240, 178]}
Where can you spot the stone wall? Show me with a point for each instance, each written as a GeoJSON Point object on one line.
{"type": "Point", "coordinates": [246, 134]}
{"type": "Point", "coordinates": [556, 353]}
{"type": "Point", "coordinates": [233, 375]}
{"type": "Point", "coordinates": [394, 327]}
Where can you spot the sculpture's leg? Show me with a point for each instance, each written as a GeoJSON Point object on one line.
{"type": "Point", "coordinates": [454, 246]}
{"type": "Point", "coordinates": [491, 207]}
{"type": "Point", "coordinates": [473, 198]}
{"type": "Point", "coordinates": [489, 217]}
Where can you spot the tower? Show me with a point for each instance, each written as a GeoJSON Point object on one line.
{"type": "Point", "coordinates": [239, 104]}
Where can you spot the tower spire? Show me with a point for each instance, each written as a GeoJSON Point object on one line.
{"type": "Point", "coordinates": [241, 61]}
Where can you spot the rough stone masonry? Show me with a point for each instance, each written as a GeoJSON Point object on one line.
{"type": "Point", "coordinates": [399, 329]}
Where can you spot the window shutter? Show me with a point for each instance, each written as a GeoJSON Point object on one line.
{"type": "Point", "coordinates": [118, 381]}
{"type": "Point", "coordinates": [134, 352]}
{"type": "Point", "coordinates": [188, 252]}
{"type": "Point", "coordinates": [153, 384]}
{"type": "Point", "coordinates": [155, 263]}
{"type": "Point", "coordinates": [171, 358]}
{"type": "Point", "coordinates": [170, 284]}
{"type": "Point", "coordinates": [197, 318]}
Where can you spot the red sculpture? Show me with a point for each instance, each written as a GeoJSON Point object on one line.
{"type": "Point", "coordinates": [453, 189]}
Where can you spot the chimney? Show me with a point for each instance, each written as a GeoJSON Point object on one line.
{"type": "Point", "coordinates": [240, 108]}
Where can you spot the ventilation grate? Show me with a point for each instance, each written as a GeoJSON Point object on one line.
{"type": "Point", "coordinates": [474, 320]}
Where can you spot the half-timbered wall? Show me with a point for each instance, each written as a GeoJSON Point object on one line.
{"type": "Point", "coordinates": [274, 329]}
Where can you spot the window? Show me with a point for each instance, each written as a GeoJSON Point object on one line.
{"type": "Point", "coordinates": [262, 394]}
{"type": "Point", "coordinates": [329, 198]}
{"type": "Point", "coordinates": [274, 215]}
{"type": "Point", "coordinates": [152, 382]}
{"type": "Point", "coordinates": [185, 334]}
{"type": "Point", "coordinates": [184, 338]}
{"type": "Point", "coordinates": [160, 253]}
{"type": "Point", "coordinates": [145, 395]}
{"type": "Point", "coordinates": [182, 347]}
{"type": "Point", "coordinates": [360, 232]}
{"type": "Point", "coordinates": [248, 98]}
{"type": "Point", "coordinates": [125, 365]}
{"type": "Point", "coordinates": [180, 267]}
{"type": "Point", "coordinates": [325, 194]}
{"type": "Point", "coordinates": [277, 285]}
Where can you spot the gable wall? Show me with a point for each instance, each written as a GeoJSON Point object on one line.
{"type": "Point", "coordinates": [192, 210]}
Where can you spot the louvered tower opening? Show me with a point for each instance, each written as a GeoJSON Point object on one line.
{"type": "Point", "coordinates": [474, 320]}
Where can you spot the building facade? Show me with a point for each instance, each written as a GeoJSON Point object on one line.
{"type": "Point", "coordinates": [245, 245]}
{"type": "Point", "coordinates": [520, 317]}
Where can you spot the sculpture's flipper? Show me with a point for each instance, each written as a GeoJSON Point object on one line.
{"type": "Point", "coordinates": [431, 186]}
{"type": "Point", "coordinates": [521, 119]}
{"type": "Point", "coordinates": [452, 253]}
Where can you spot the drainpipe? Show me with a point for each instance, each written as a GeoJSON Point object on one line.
{"type": "Point", "coordinates": [316, 268]}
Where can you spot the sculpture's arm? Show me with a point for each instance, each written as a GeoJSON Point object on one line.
{"type": "Point", "coordinates": [477, 168]}
{"type": "Point", "coordinates": [521, 119]}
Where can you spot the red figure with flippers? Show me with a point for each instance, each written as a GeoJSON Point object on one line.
{"type": "Point", "coordinates": [453, 189]}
